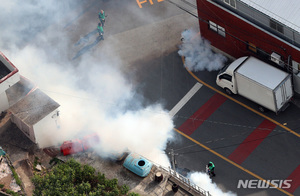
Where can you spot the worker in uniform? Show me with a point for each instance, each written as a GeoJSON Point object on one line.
{"type": "Point", "coordinates": [100, 31]}
{"type": "Point", "coordinates": [102, 17]}
{"type": "Point", "coordinates": [211, 168]}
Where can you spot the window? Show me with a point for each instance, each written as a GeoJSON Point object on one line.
{"type": "Point", "coordinates": [221, 31]}
{"type": "Point", "coordinates": [276, 26]}
{"type": "Point", "coordinates": [232, 3]}
{"type": "Point", "coordinates": [226, 77]}
{"type": "Point", "coordinates": [213, 26]}
{"type": "Point", "coordinates": [296, 66]}
{"type": "Point", "coordinates": [216, 28]}
{"type": "Point", "coordinates": [252, 47]}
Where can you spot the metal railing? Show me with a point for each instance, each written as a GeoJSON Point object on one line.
{"type": "Point", "coordinates": [184, 180]}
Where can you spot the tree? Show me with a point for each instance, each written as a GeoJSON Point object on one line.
{"type": "Point", "coordinates": [72, 178]}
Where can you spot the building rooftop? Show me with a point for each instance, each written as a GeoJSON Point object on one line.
{"type": "Point", "coordinates": [286, 12]}
{"type": "Point", "coordinates": [34, 107]}
{"type": "Point", "coordinates": [7, 69]}
{"type": "Point", "coordinates": [4, 71]}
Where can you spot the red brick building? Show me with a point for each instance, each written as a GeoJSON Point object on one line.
{"type": "Point", "coordinates": [267, 29]}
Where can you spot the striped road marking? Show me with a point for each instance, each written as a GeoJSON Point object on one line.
{"type": "Point", "coordinates": [185, 99]}
{"type": "Point", "coordinates": [249, 108]}
{"type": "Point", "coordinates": [202, 114]}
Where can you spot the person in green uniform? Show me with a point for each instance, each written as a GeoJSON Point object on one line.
{"type": "Point", "coordinates": [211, 168]}
{"type": "Point", "coordinates": [102, 17]}
{"type": "Point", "coordinates": [100, 30]}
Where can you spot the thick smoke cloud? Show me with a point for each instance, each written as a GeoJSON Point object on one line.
{"type": "Point", "coordinates": [198, 57]}
{"type": "Point", "coordinates": [93, 92]}
{"type": "Point", "coordinates": [198, 54]}
{"type": "Point", "coordinates": [22, 21]}
{"type": "Point", "coordinates": [203, 180]}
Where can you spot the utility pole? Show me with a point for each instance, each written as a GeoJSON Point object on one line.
{"type": "Point", "coordinates": [173, 159]}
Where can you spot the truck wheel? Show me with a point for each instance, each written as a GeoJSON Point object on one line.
{"type": "Point", "coordinates": [261, 109]}
{"type": "Point", "coordinates": [228, 92]}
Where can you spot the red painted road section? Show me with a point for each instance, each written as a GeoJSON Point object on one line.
{"type": "Point", "coordinates": [240, 154]}
{"type": "Point", "coordinates": [189, 126]}
{"type": "Point", "coordinates": [295, 177]}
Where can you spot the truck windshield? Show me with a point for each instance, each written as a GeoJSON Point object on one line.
{"type": "Point", "coordinates": [223, 69]}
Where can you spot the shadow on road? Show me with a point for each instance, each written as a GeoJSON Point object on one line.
{"type": "Point", "coordinates": [85, 39]}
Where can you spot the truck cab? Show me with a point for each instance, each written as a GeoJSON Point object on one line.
{"type": "Point", "coordinates": [226, 78]}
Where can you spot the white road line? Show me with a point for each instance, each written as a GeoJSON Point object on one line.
{"type": "Point", "coordinates": [185, 99]}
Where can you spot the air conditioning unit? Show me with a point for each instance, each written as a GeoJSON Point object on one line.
{"type": "Point", "coordinates": [277, 59]}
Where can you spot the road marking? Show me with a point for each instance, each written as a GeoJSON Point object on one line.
{"type": "Point", "coordinates": [185, 99]}
{"type": "Point", "coordinates": [294, 176]}
{"type": "Point", "coordinates": [145, 1]}
{"type": "Point", "coordinates": [240, 154]}
{"type": "Point", "coordinates": [249, 108]}
{"type": "Point", "coordinates": [205, 111]}
{"type": "Point", "coordinates": [231, 162]}
{"type": "Point", "coordinates": [238, 102]}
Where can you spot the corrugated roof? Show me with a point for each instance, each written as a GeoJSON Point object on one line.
{"type": "Point", "coordinates": [286, 12]}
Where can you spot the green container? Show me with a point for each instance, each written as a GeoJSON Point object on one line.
{"type": "Point", "coordinates": [2, 152]}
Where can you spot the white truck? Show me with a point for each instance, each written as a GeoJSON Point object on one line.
{"type": "Point", "coordinates": [269, 87]}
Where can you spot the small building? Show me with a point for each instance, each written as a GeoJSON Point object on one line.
{"type": "Point", "coordinates": [35, 113]}
{"type": "Point", "coordinates": [268, 30]}
{"type": "Point", "coordinates": [9, 75]}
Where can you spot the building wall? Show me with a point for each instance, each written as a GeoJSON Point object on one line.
{"type": "Point", "coordinates": [4, 105]}
{"type": "Point", "coordinates": [263, 20]}
{"type": "Point", "coordinates": [48, 129]}
{"type": "Point", "coordinates": [9, 81]}
{"type": "Point", "coordinates": [239, 33]}
{"type": "Point", "coordinates": [44, 130]}
{"type": "Point", "coordinates": [5, 123]}
{"type": "Point", "coordinates": [26, 129]}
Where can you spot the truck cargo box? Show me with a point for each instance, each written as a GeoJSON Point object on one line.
{"type": "Point", "coordinates": [264, 84]}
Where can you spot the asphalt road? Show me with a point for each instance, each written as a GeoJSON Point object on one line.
{"type": "Point", "coordinates": [210, 127]}
{"type": "Point", "coordinates": [163, 79]}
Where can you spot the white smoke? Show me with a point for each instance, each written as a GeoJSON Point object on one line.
{"type": "Point", "coordinates": [93, 93]}
{"type": "Point", "coordinates": [198, 54]}
{"type": "Point", "coordinates": [198, 57]}
{"type": "Point", "coordinates": [202, 180]}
